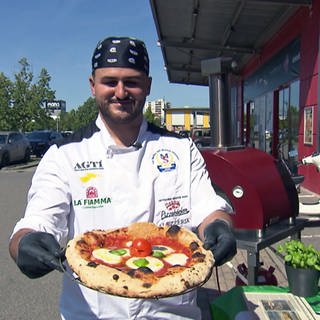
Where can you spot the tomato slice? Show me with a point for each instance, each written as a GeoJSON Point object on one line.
{"type": "Point", "coordinates": [140, 248]}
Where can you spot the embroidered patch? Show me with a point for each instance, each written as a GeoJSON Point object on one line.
{"type": "Point", "coordinates": [87, 177]}
{"type": "Point", "coordinates": [92, 200]}
{"type": "Point", "coordinates": [165, 160]}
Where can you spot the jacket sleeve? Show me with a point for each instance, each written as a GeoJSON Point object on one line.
{"type": "Point", "coordinates": [49, 197]}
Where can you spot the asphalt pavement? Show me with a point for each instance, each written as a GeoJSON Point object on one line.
{"type": "Point", "coordinates": [22, 298]}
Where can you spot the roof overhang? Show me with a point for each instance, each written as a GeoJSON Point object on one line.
{"type": "Point", "coordinates": [190, 31]}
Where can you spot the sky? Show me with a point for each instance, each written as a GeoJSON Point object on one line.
{"type": "Point", "coordinates": [60, 36]}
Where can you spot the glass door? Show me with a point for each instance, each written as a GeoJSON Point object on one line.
{"type": "Point", "coordinates": [261, 123]}
{"type": "Point", "coordinates": [289, 124]}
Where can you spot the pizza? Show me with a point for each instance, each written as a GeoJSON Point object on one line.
{"type": "Point", "coordinates": [141, 260]}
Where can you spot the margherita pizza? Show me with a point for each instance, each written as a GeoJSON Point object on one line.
{"type": "Point", "coordinates": [140, 261]}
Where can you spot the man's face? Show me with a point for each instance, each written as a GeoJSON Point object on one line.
{"type": "Point", "coordinates": [120, 93]}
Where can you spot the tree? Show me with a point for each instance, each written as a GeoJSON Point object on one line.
{"type": "Point", "coordinates": [87, 112]}
{"type": "Point", "coordinates": [28, 97]}
{"type": "Point", "coordinates": [41, 92]}
{"type": "Point", "coordinates": [21, 95]}
{"type": "Point", "coordinates": [5, 102]}
{"type": "Point", "coordinates": [76, 119]}
{"type": "Point", "coordinates": [151, 117]}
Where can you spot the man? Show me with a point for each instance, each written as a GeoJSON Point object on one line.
{"type": "Point", "coordinates": [133, 169]}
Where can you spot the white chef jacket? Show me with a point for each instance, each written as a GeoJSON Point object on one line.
{"type": "Point", "coordinates": [88, 182]}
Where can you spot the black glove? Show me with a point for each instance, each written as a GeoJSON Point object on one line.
{"type": "Point", "coordinates": [38, 254]}
{"type": "Point", "coordinates": [218, 237]}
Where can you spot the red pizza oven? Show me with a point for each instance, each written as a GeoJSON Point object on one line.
{"type": "Point", "coordinates": [257, 186]}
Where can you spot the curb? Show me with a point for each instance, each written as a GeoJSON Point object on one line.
{"type": "Point", "coordinates": [31, 164]}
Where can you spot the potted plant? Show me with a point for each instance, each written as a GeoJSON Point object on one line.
{"type": "Point", "coordinates": [302, 263]}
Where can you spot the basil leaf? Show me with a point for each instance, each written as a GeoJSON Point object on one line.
{"type": "Point", "coordinates": [141, 262]}
{"type": "Point", "coordinates": [158, 254]}
{"type": "Point", "coordinates": [158, 248]}
{"type": "Point", "coordinates": [118, 252]}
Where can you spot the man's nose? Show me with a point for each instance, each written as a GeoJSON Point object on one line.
{"type": "Point", "coordinates": [120, 90]}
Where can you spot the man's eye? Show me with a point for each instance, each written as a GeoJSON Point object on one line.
{"type": "Point", "coordinates": [131, 84]}
{"type": "Point", "coordinates": [128, 83]}
{"type": "Point", "coordinates": [110, 83]}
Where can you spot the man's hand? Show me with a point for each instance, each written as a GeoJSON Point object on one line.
{"type": "Point", "coordinates": [218, 237]}
{"type": "Point", "coordinates": [38, 254]}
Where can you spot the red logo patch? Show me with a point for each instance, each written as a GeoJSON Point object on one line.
{"type": "Point", "coordinates": [92, 192]}
{"type": "Point", "coordinates": [173, 204]}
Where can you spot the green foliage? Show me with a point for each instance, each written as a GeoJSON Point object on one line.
{"type": "Point", "coordinates": [21, 100]}
{"type": "Point", "coordinates": [151, 117]}
{"type": "Point", "coordinates": [299, 255]}
{"type": "Point", "coordinates": [5, 102]}
{"type": "Point", "coordinates": [75, 119]}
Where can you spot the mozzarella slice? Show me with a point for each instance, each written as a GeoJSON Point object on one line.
{"type": "Point", "coordinates": [176, 259]}
{"type": "Point", "coordinates": [129, 244]}
{"type": "Point", "coordinates": [151, 262]}
{"type": "Point", "coordinates": [110, 256]}
{"type": "Point", "coordinates": [165, 250]}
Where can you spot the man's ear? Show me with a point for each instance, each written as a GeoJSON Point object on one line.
{"type": "Point", "coordinates": [91, 81]}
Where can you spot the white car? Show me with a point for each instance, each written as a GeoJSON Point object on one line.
{"type": "Point", "coordinates": [14, 147]}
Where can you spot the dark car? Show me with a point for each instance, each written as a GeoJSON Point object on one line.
{"type": "Point", "coordinates": [41, 140]}
{"type": "Point", "coordinates": [184, 133]}
{"type": "Point", "coordinates": [201, 137]}
{"type": "Point", "coordinates": [14, 147]}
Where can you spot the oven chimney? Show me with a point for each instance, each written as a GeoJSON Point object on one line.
{"type": "Point", "coordinates": [218, 71]}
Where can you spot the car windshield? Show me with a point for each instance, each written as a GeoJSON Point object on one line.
{"type": "Point", "coordinates": [38, 135]}
{"type": "Point", "coordinates": [3, 138]}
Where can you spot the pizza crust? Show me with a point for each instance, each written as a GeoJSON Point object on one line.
{"type": "Point", "coordinates": [110, 280]}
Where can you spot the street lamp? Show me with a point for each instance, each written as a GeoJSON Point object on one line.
{"type": "Point", "coordinates": [57, 123]}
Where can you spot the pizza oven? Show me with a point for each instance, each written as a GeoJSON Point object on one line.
{"type": "Point", "coordinates": [256, 185]}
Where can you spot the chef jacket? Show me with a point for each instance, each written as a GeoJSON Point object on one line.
{"type": "Point", "coordinates": [87, 182]}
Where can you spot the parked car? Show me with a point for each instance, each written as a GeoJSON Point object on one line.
{"type": "Point", "coordinates": [14, 147]}
{"type": "Point", "coordinates": [184, 133]}
{"type": "Point", "coordinates": [201, 137]}
{"type": "Point", "coordinates": [66, 133]}
{"type": "Point", "coordinates": [41, 140]}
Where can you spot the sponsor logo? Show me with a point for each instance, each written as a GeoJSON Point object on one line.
{"type": "Point", "coordinates": [173, 204]}
{"type": "Point", "coordinates": [88, 165]}
{"type": "Point", "coordinates": [91, 192]}
{"type": "Point", "coordinates": [165, 160]}
{"type": "Point", "coordinates": [174, 212]}
{"type": "Point", "coordinates": [175, 222]}
{"type": "Point", "coordinates": [88, 177]}
{"type": "Point", "coordinates": [92, 200]}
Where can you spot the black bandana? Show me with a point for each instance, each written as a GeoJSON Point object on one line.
{"type": "Point", "coordinates": [121, 52]}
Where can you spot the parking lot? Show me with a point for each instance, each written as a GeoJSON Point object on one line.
{"type": "Point", "coordinates": [21, 298]}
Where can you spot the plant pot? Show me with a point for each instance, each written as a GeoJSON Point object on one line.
{"type": "Point", "coordinates": [302, 282]}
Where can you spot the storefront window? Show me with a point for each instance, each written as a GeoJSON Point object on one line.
{"type": "Point", "coordinates": [289, 123]}
{"type": "Point", "coordinates": [294, 125]}
{"type": "Point", "coordinates": [262, 122]}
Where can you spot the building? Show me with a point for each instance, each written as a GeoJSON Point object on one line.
{"type": "Point", "coordinates": [267, 55]}
{"type": "Point", "coordinates": [157, 108]}
{"type": "Point", "coordinates": [185, 118]}
{"type": "Point", "coordinates": [179, 118]}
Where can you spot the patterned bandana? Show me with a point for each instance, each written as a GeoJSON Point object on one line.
{"type": "Point", "coordinates": [121, 52]}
